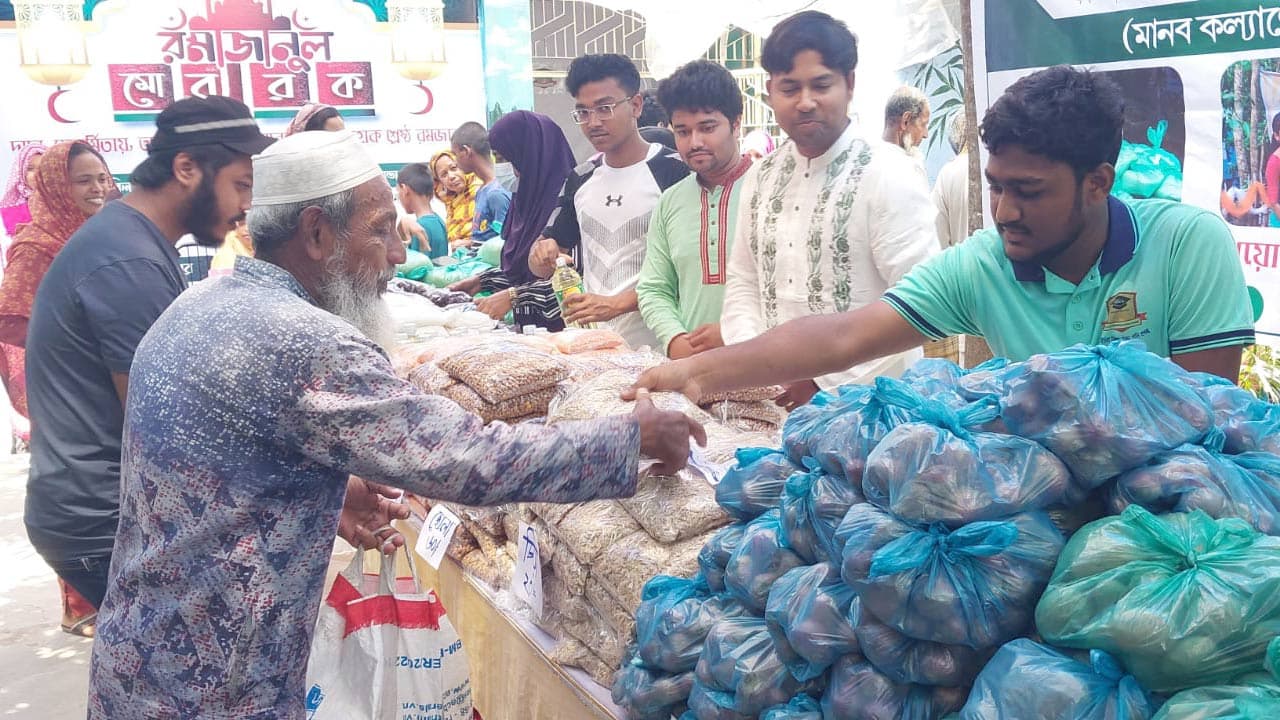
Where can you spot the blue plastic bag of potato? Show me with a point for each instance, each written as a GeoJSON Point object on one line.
{"type": "Point", "coordinates": [715, 554]}
{"type": "Point", "coordinates": [646, 694]}
{"type": "Point", "coordinates": [1104, 410]}
{"type": "Point", "coordinates": [863, 531]}
{"type": "Point", "coordinates": [710, 704]}
{"type": "Point", "coordinates": [806, 424]}
{"type": "Point", "coordinates": [670, 624]}
{"type": "Point", "coordinates": [865, 415]}
{"type": "Point", "coordinates": [1248, 423]}
{"type": "Point", "coordinates": [740, 660]}
{"type": "Point", "coordinates": [801, 707]}
{"type": "Point", "coordinates": [943, 470]}
{"type": "Point", "coordinates": [906, 660]}
{"type": "Point", "coordinates": [755, 484]}
{"type": "Point", "coordinates": [974, 586]}
{"type": "Point", "coordinates": [1182, 600]}
{"type": "Point", "coordinates": [857, 691]}
{"type": "Point", "coordinates": [670, 635]}
{"type": "Point", "coordinates": [717, 665]}
{"type": "Point", "coordinates": [1027, 680]}
{"type": "Point", "coordinates": [1203, 477]}
{"type": "Point", "coordinates": [1253, 697]}
{"type": "Point", "coordinates": [813, 609]}
{"type": "Point", "coordinates": [759, 560]}
{"type": "Point", "coordinates": [956, 385]}
{"type": "Point", "coordinates": [812, 508]}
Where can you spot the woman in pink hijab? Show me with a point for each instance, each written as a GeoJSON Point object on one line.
{"type": "Point", "coordinates": [13, 206]}
{"type": "Point", "coordinates": [315, 117]}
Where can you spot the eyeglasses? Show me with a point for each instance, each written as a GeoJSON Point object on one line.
{"type": "Point", "coordinates": [604, 112]}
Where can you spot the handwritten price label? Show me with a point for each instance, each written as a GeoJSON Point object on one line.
{"type": "Point", "coordinates": [526, 580]}
{"type": "Point", "coordinates": [436, 533]}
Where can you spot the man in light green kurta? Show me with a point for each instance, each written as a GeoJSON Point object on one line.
{"type": "Point", "coordinates": [681, 288]}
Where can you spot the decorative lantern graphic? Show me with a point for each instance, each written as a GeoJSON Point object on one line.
{"type": "Point", "coordinates": [417, 38]}
{"type": "Point", "coordinates": [51, 40]}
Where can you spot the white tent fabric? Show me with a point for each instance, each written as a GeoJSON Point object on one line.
{"type": "Point", "coordinates": [891, 35]}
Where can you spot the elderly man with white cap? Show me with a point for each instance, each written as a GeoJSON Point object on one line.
{"type": "Point", "coordinates": [252, 400]}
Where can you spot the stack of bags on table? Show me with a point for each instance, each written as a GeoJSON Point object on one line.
{"type": "Point", "coordinates": [600, 554]}
{"type": "Point", "coordinates": [484, 544]}
{"type": "Point", "coordinates": [907, 534]}
{"type": "Point", "coordinates": [419, 314]}
{"type": "Point", "coordinates": [751, 410]}
{"type": "Point", "coordinates": [498, 377]}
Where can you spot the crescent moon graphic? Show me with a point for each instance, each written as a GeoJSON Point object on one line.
{"type": "Point", "coordinates": [53, 107]}
{"type": "Point", "coordinates": [431, 100]}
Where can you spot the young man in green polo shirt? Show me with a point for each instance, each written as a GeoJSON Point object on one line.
{"type": "Point", "coordinates": [1067, 263]}
{"type": "Point", "coordinates": [681, 287]}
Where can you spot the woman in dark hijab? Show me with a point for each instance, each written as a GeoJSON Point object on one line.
{"type": "Point", "coordinates": [538, 151]}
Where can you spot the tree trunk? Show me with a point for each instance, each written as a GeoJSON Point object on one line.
{"type": "Point", "coordinates": [1258, 133]}
{"type": "Point", "coordinates": [1237, 133]}
{"type": "Point", "coordinates": [972, 350]}
{"type": "Point", "coordinates": [971, 120]}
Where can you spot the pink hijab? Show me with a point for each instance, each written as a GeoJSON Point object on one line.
{"type": "Point", "coordinates": [17, 190]}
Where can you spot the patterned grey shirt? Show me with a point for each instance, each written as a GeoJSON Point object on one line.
{"type": "Point", "coordinates": [248, 407]}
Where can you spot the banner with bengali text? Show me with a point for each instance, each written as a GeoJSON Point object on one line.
{"type": "Point", "coordinates": [274, 55]}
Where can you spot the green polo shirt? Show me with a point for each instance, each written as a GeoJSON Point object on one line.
{"type": "Point", "coordinates": [682, 283]}
{"type": "Point", "coordinates": [1168, 275]}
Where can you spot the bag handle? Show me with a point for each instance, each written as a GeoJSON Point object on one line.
{"type": "Point", "coordinates": [387, 573]}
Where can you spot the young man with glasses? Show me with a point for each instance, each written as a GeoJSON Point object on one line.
{"type": "Point", "coordinates": [605, 208]}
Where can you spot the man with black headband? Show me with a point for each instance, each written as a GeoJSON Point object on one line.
{"type": "Point", "coordinates": [101, 295]}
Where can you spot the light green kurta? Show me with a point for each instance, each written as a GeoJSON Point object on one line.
{"type": "Point", "coordinates": [690, 235]}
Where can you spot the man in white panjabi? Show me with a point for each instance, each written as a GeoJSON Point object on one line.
{"type": "Point", "coordinates": [906, 125]}
{"type": "Point", "coordinates": [829, 221]}
{"type": "Point", "coordinates": [951, 189]}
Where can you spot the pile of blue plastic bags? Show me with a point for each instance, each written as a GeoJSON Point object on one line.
{"type": "Point", "coordinates": [1087, 535]}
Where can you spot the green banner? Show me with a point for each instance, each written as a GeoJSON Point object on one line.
{"type": "Point", "coordinates": [1021, 34]}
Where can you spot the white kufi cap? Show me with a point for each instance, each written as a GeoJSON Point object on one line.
{"type": "Point", "coordinates": [309, 166]}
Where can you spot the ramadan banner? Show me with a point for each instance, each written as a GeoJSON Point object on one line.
{"type": "Point", "coordinates": [274, 55]}
{"type": "Point", "coordinates": [1202, 87]}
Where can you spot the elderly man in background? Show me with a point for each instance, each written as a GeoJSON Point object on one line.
{"type": "Point", "coordinates": [906, 122]}
{"type": "Point", "coordinates": [951, 189]}
{"type": "Point", "coordinates": [251, 402]}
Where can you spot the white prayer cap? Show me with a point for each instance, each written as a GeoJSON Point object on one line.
{"type": "Point", "coordinates": [309, 166]}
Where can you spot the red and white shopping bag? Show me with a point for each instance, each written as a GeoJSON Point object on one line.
{"type": "Point", "coordinates": [384, 650]}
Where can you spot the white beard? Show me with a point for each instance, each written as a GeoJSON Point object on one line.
{"type": "Point", "coordinates": [357, 300]}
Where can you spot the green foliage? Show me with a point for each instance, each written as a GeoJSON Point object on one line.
{"type": "Point", "coordinates": [1260, 372]}
{"type": "Point", "coordinates": [946, 74]}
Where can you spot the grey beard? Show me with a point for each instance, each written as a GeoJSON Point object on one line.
{"type": "Point", "coordinates": [356, 299]}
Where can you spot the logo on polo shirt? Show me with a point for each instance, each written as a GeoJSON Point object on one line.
{"type": "Point", "coordinates": [611, 200]}
{"type": "Point", "coordinates": [1122, 312]}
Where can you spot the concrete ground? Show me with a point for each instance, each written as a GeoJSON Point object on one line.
{"type": "Point", "coordinates": [44, 672]}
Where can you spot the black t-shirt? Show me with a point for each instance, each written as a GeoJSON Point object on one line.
{"type": "Point", "coordinates": [101, 295]}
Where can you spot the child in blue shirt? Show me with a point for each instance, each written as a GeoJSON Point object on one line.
{"type": "Point", "coordinates": [415, 188]}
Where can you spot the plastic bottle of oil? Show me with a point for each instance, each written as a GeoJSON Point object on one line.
{"type": "Point", "coordinates": [566, 281]}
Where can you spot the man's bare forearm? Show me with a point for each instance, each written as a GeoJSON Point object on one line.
{"type": "Point", "coordinates": [806, 348]}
